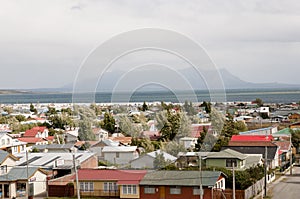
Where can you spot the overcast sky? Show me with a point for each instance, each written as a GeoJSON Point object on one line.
{"type": "Point", "coordinates": [43, 43]}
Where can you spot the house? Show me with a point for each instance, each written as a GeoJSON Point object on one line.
{"type": "Point", "coordinates": [55, 148]}
{"type": "Point", "coordinates": [14, 183]}
{"type": "Point", "coordinates": [71, 136]}
{"type": "Point", "coordinates": [258, 147]}
{"type": "Point", "coordinates": [188, 142]}
{"type": "Point", "coordinates": [251, 137]}
{"type": "Point", "coordinates": [100, 134]}
{"type": "Point", "coordinates": [262, 131]}
{"type": "Point", "coordinates": [36, 136]}
{"type": "Point", "coordinates": [189, 159]}
{"type": "Point", "coordinates": [97, 147]}
{"type": "Point", "coordinates": [197, 129]}
{"type": "Point", "coordinates": [103, 183]}
{"type": "Point", "coordinates": [120, 154]}
{"type": "Point", "coordinates": [229, 158]}
{"type": "Point", "coordinates": [166, 184]}
{"type": "Point", "coordinates": [10, 144]}
{"type": "Point", "coordinates": [60, 163]}
{"type": "Point", "coordinates": [295, 126]}
{"type": "Point", "coordinates": [37, 132]}
{"type": "Point", "coordinates": [7, 162]}
{"type": "Point", "coordinates": [147, 160]}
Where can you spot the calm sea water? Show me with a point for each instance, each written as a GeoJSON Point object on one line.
{"type": "Point", "coordinates": [267, 95]}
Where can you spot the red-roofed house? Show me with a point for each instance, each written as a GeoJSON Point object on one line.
{"type": "Point", "coordinates": [36, 136]}
{"type": "Point", "coordinates": [197, 129]}
{"type": "Point", "coordinates": [38, 132]}
{"type": "Point", "coordinates": [106, 183]}
{"type": "Point", "coordinates": [251, 138]}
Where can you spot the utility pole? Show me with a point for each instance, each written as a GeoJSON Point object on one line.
{"type": "Point", "coordinates": [291, 156]}
{"type": "Point", "coordinates": [266, 165]}
{"type": "Point", "coordinates": [76, 175]}
{"type": "Point", "coordinates": [27, 174]}
{"type": "Point", "coordinates": [200, 170]}
{"type": "Point", "coordinates": [233, 181]}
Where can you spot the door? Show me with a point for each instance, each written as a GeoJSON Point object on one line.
{"type": "Point", "coordinates": [162, 192]}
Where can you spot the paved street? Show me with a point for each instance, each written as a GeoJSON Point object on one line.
{"type": "Point", "coordinates": [288, 187]}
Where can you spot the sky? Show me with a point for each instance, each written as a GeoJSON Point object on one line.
{"type": "Point", "coordinates": [44, 43]}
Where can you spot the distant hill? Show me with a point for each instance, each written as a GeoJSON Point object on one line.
{"type": "Point", "coordinates": [110, 79]}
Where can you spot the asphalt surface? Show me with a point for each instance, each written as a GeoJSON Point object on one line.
{"type": "Point", "coordinates": [288, 187]}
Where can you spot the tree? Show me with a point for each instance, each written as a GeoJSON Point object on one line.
{"type": "Point", "coordinates": [184, 129]}
{"type": "Point", "coordinates": [144, 107]}
{"type": "Point", "coordinates": [85, 131]}
{"type": "Point", "coordinates": [108, 122]}
{"type": "Point", "coordinates": [20, 118]}
{"type": "Point", "coordinates": [295, 138]}
{"type": "Point", "coordinates": [259, 102]}
{"type": "Point", "coordinates": [188, 107]}
{"type": "Point", "coordinates": [32, 109]}
{"type": "Point", "coordinates": [174, 148]}
{"type": "Point", "coordinates": [160, 161]}
{"type": "Point", "coordinates": [207, 106]}
{"type": "Point", "coordinates": [200, 140]}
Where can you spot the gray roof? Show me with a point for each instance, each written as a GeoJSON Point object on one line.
{"type": "Point", "coordinates": [3, 155]}
{"type": "Point", "coordinates": [253, 159]}
{"type": "Point", "coordinates": [54, 146]}
{"type": "Point", "coordinates": [47, 160]}
{"type": "Point", "coordinates": [167, 156]}
{"type": "Point", "coordinates": [227, 153]}
{"type": "Point", "coordinates": [181, 178]}
{"type": "Point", "coordinates": [271, 150]}
{"type": "Point", "coordinates": [18, 173]}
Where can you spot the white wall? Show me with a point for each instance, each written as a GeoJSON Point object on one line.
{"type": "Point", "coordinates": [39, 183]}
{"type": "Point", "coordinates": [143, 162]}
{"type": "Point", "coordinates": [124, 157]}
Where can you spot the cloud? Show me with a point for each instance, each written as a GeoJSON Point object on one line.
{"type": "Point", "coordinates": [51, 36]}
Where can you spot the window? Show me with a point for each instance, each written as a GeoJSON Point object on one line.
{"type": "Point", "coordinates": [15, 149]}
{"type": "Point", "coordinates": [196, 191]}
{"type": "Point", "coordinates": [8, 141]}
{"type": "Point", "coordinates": [3, 169]}
{"type": "Point", "coordinates": [175, 190]}
{"type": "Point", "coordinates": [110, 186]}
{"type": "Point", "coordinates": [117, 154]}
{"type": "Point", "coordinates": [86, 186]}
{"type": "Point", "coordinates": [230, 162]}
{"type": "Point", "coordinates": [149, 190]}
{"type": "Point", "coordinates": [129, 189]}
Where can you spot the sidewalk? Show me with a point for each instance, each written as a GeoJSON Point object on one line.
{"type": "Point", "coordinates": [270, 185]}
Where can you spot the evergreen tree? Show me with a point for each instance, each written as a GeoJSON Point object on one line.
{"type": "Point", "coordinates": [108, 123]}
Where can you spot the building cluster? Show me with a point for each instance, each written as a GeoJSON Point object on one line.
{"type": "Point", "coordinates": [33, 163]}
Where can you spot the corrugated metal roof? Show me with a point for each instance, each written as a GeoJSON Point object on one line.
{"type": "Point", "coordinates": [227, 153]}
{"type": "Point", "coordinates": [181, 178]}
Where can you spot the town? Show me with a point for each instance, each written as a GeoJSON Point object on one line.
{"type": "Point", "coordinates": [146, 150]}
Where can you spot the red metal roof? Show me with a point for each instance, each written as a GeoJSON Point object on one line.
{"type": "Point", "coordinates": [120, 176]}
{"type": "Point", "coordinates": [252, 138]}
{"type": "Point", "coordinates": [31, 139]}
{"type": "Point", "coordinates": [32, 132]}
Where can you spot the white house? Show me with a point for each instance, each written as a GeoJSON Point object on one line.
{"type": "Point", "coordinates": [10, 144]}
{"type": "Point", "coordinates": [14, 183]}
{"type": "Point", "coordinates": [147, 160]}
{"type": "Point", "coordinates": [120, 154]}
{"type": "Point", "coordinates": [188, 142]}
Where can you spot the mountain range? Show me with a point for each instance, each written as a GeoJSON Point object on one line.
{"type": "Point", "coordinates": [110, 79]}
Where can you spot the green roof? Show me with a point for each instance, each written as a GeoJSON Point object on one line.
{"type": "Point", "coordinates": [18, 173]}
{"type": "Point", "coordinates": [227, 153]}
{"type": "Point", "coordinates": [181, 178]}
{"type": "Point", "coordinates": [285, 131]}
